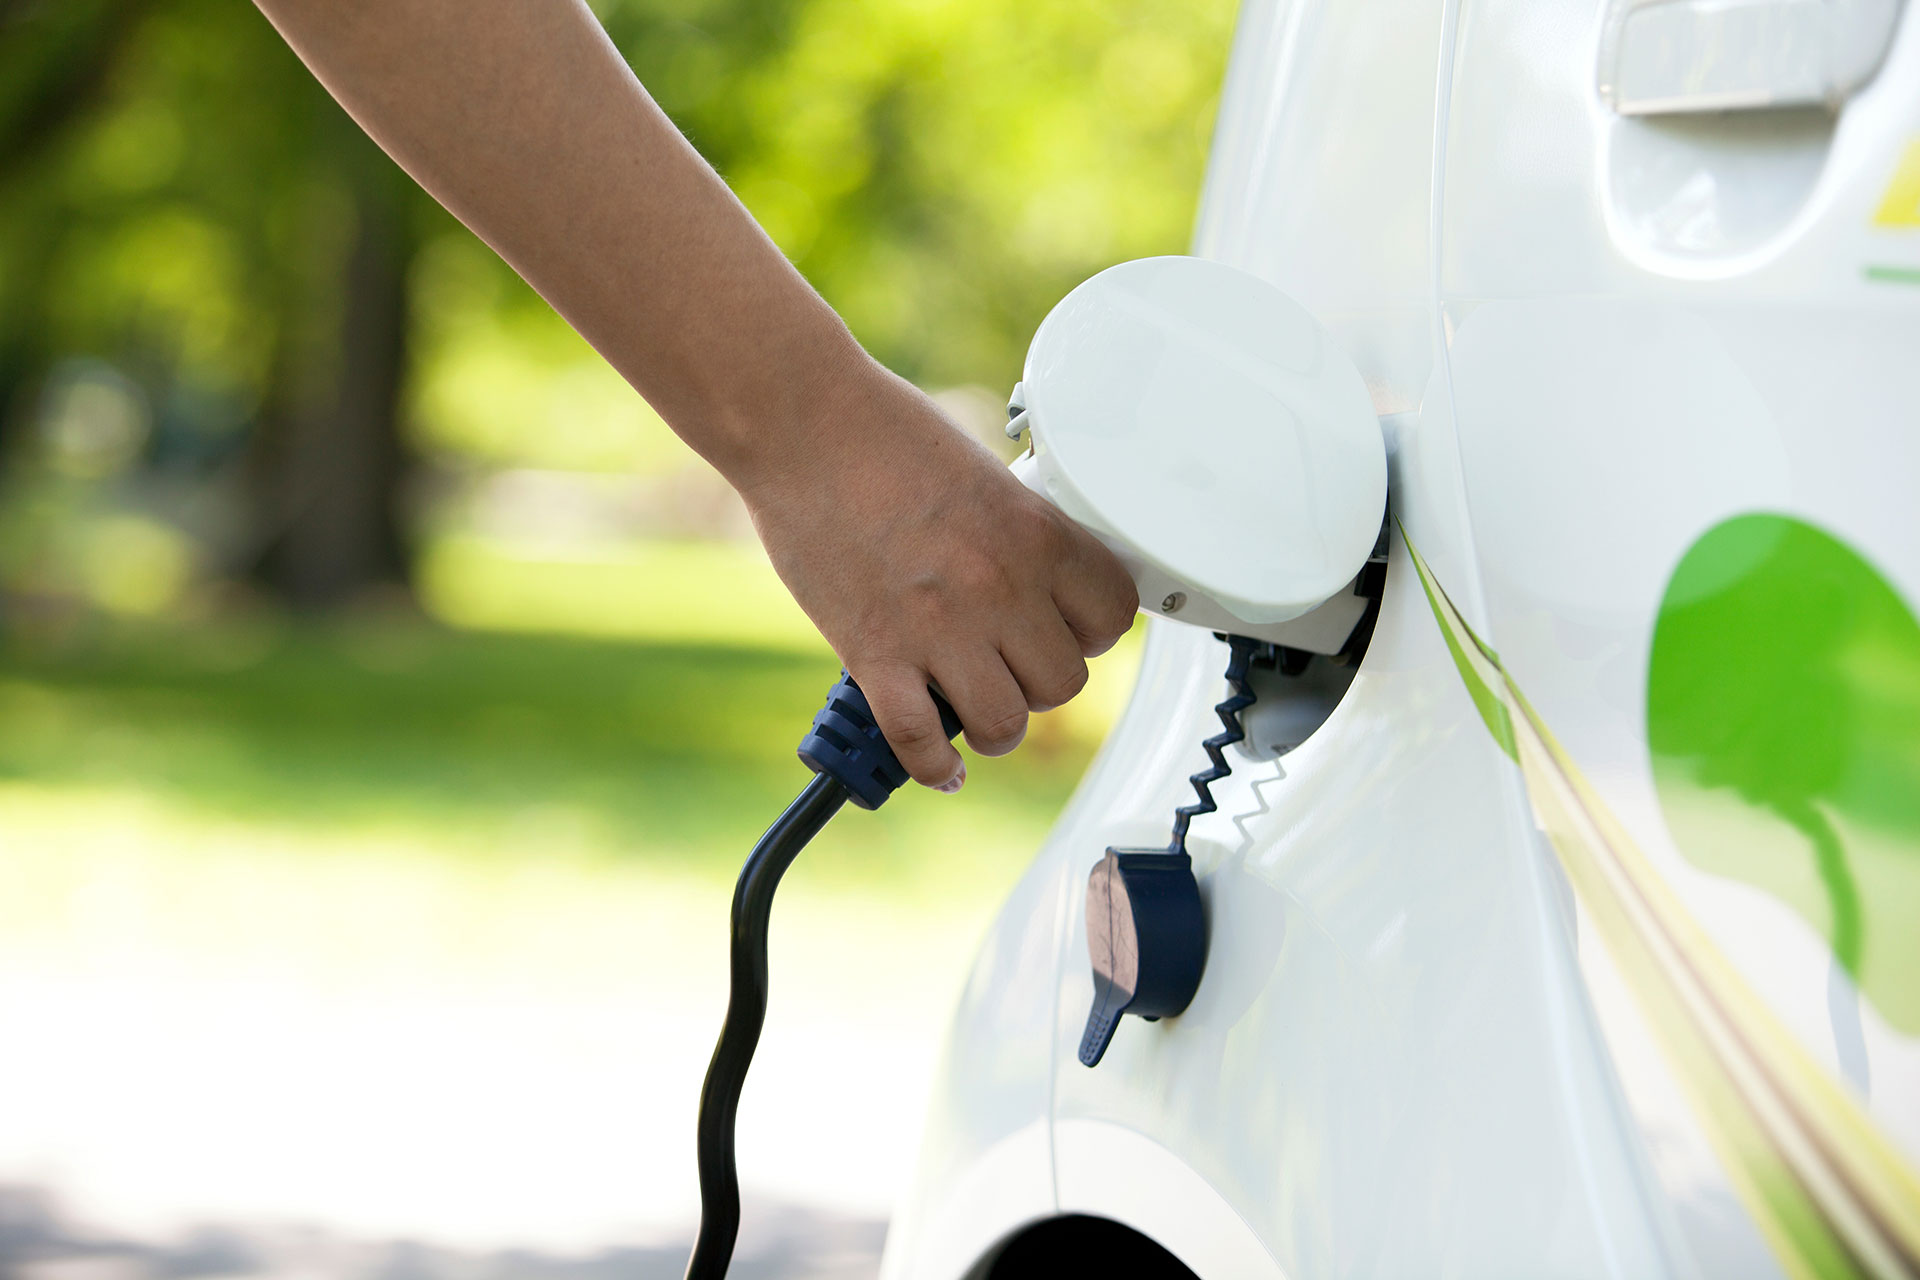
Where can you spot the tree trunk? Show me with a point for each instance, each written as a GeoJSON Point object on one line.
{"type": "Point", "coordinates": [331, 466]}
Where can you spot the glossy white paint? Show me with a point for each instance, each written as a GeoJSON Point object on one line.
{"type": "Point", "coordinates": [1321, 171]}
{"type": "Point", "coordinates": [1590, 338]}
{"type": "Point", "coordinates": [1379, 1031]}
{"type": "Point", "coordinates": [986, 1159]}
{"type": "Point", "coordinates": [1204, 1232]}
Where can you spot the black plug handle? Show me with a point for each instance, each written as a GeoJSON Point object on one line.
{"type": "Point", "coordinates": [845, 742]}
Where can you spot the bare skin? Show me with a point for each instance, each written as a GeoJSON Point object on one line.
{"type": "Point", "coordinates": [918, 556]}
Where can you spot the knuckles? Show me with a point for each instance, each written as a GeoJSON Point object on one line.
{"type": "Point", "coordinates": [1118, 620]}
{"type": "Point", "coordinates": [1061, 689]}
{"type": "Point", "coordinates": [1124, 603]}
{"type": "Point", "coordinates": [998, 732]}
{"type": "Point", "coordinates": [1040, 523]}
{"type": "Point", "coordinates": [917, 745]}
{"type": "Point", "coordinates": [912, 734]}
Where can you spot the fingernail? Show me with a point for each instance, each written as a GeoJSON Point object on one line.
{"type": "Point", "coordinates": [954, 783]}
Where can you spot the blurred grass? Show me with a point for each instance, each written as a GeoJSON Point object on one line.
{"type": "Point", "coordinates": [681, 591]}
{"type": "Point", "coordinates": [501, 746]}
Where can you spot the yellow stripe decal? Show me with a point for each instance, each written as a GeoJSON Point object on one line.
{"type": "Point", "coordinates": [1900, 207]}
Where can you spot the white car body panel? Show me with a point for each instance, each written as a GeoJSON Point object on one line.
{"type": "Point", "coordinates": [1415, 1050]}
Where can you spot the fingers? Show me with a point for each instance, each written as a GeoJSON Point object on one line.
{"type": "Point", "coordinates": [991, 594]}
{"type": "Point", "coordinates": [1044, 656]}
{"type": "Point", "coordinates": [1093, 591]}
{"type": "Point", "coordinates": [988, 699]}
{"type": "Point", "coordinates": [905, 711]}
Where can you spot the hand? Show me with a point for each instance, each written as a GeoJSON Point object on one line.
{"type": "Point", "coordinates": [923, 561]}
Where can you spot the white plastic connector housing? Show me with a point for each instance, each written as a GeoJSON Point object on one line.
{"type": "Point", "coordinates": [1203, 426]}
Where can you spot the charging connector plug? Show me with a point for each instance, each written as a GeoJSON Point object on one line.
{"type": "Point", "coordinates": [845, 743]}
{"type": "Point", "coordinates": [851, 760]}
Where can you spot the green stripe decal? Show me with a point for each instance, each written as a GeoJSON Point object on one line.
{"type": "Point", "coordinates": [1492, 711]}
{"type": "Point", "coordinates": [1830, 1194]}
{"type": "Point", "coordinates": [1891, 275]}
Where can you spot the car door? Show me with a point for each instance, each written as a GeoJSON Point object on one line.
{"type": "Point", "coordinates": [1679, 288]}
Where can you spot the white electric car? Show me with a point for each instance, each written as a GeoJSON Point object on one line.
{"type": "Point", "coordinates": [1570, 925]}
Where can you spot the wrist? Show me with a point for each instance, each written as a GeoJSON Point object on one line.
{"type": "Point", "coordinates": [829, 409]}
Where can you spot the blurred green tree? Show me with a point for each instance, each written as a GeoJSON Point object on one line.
{"type": "Point", "coordinates": [200, 213]}
{"type": "Point", "coordinates": [179, 199]}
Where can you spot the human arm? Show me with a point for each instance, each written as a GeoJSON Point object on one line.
{"type": "Point", "coordinates": [917, 555]}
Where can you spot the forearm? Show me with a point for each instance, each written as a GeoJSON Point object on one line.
{"type": "Point", "coordinates": [522, 119]}
{"type": "Point", "coordinates": [927, 563]}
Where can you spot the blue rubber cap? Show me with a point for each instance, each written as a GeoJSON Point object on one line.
{"type": "Point", "coordinates": [846, 743]}
{"type": "Point", "coordinates": [1147, 938]}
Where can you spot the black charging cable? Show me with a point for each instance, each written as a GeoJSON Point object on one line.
{"type": "Point", "coordinates": [851, 761]}
{"type": "Point", "coordinates": [746, 1012]}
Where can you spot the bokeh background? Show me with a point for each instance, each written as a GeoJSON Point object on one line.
{"type": "Point", "coordinates": [387, 698]}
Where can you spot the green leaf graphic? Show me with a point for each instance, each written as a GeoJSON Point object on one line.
{"type": "Point", "coordinates": [1783, 713]}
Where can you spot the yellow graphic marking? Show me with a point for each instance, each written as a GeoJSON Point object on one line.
{"type": "Point", "coordinates": [1900, 207]}
{"type": "Point", "coordinates": [1831, 1195]}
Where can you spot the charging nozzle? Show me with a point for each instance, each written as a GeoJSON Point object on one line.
{"type": "Point", "coordinates": [1210, 432]}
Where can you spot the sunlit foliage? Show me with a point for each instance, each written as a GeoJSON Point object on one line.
{"type": "Point", "coordinates": [941, 169]}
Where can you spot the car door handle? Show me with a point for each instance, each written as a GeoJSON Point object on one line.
{"type": "Point", "coordinates": [1664, 57]}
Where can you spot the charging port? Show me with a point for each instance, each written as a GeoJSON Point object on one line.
{"type": "Point", "coordinates": [1297, 689]}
